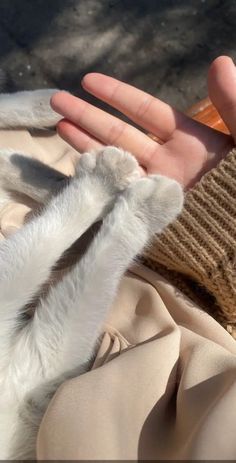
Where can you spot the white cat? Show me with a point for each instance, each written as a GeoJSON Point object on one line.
{"type": "Point", "coordinates": [58, 341]}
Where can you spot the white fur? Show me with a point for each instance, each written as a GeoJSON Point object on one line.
{"type": "Point", "coordinates": [30, 109]}
{"type": "Point", "coordinates": [59, 340]}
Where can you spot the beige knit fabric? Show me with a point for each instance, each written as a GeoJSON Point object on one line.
{"type": "Point", "coordinates": [201, 243]}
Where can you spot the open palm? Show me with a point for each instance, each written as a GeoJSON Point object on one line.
{"type": "Point", "coordinates": [188, 148]}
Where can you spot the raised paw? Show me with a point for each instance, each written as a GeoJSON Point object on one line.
{"type": "Point", "coordinates": [114, 167]}
{"type": "Point", "coordinates": [156, 200]}
{"type": "Point", "coordinates": [43, 115]}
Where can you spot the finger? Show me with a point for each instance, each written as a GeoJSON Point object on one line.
{"type": "Point", "coordinates": [222, 90]}
{"type": "Point", "coordinates": [104, 127]}
{"type": "Point", "coordinates": [13, 217]}
{"type": "Point", "coordinates": [150, 113]}
{"type": "Point", "coordinates": [78, 138]}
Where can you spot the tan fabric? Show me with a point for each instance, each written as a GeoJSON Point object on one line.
{"type": "Point", "coordinates": [163, 385]}
{"type": "Point", "coordinates": [170, 397]}
{"type": "Point", "coordinates": [47, 147]}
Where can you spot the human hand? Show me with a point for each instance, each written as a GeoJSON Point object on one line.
{"type": "Point", "coordinates": [189, 148]}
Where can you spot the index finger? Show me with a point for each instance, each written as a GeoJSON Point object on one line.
{"type": "Point", "coordinates": [145, 110]}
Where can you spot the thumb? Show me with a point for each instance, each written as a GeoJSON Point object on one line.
{"type": "Point", "coordinates": [222, 90]}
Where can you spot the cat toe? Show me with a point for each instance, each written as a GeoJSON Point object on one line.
{"type": "Point", "coordinates": [157, 200]}
{"type": "Point", "coordinates": [165, 202]}
{"type": "Point", "coordinates": [86, 163]}
{"type": "Point", "coordinates": [120, 165]}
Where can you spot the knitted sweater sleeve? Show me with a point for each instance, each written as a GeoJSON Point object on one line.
{"type": "Point", "coordinates": [201, 243]}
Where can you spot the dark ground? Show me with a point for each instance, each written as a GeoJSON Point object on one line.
{"type": "Point", "coordinates": [162, 46]}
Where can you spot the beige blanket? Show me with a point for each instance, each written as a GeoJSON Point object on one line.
{"type": "Point", "coordinates": [163, 385]}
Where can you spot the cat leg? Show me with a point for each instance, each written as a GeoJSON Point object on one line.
{"type": "Point", "coordinates": [67, 323]}
{"type": "Point", "coordinates": [29, 109]}
{"type": "Point", "coordinates": [27, 257]}
{"type": "Point", "coordinates": [22, 174]}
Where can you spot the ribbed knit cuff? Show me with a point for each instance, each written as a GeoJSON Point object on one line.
{"type": "Point", "coordinates": [201, 243]}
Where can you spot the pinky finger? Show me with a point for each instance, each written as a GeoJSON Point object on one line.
{"type": "Point", "coordinates": [77, 137]}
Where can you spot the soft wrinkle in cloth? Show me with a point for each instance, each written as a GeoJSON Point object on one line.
{"type": "Point", "coordinates": [162, 394]}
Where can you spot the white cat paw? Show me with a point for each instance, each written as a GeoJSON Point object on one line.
{"type": "Point", "coordinates": [114, 167]}
{"type": "Point", "coordinates": [156, 200]}
{"type": "Point", "coordinates": [42, 113]}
